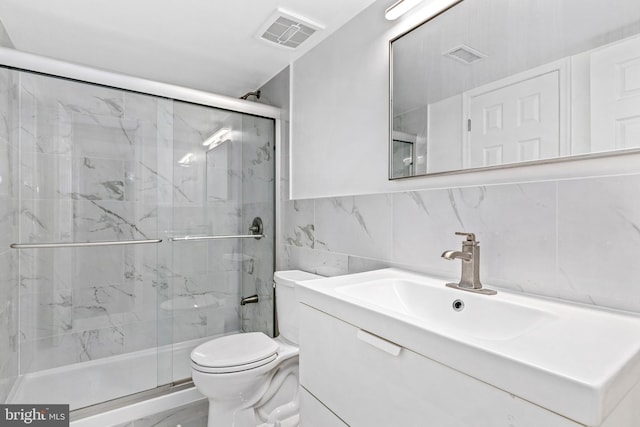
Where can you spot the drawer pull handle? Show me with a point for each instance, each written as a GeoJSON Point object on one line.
{"type": "Point", "coordinates": [379, 343]}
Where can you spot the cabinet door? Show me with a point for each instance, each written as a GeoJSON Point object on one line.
{"type": "Point", "coordinates": [368, 381]}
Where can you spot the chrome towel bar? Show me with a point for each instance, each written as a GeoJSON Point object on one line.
{"type": "Point", "coordinates": [82, 244]}
{"type": "Point", "coordinates": [256, 232]}
{"type": "Point", "coordinates": [228, 236]}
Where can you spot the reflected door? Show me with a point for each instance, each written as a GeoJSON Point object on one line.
{"type": "Point", "coordinates": [514, 123]}
{"type": "Point", "coordinates": [615, 96]}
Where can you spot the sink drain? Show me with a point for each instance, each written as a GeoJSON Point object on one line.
{"type": "Point", "coordinates": [458, 305]}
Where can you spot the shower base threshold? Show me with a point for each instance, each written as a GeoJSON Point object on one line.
{"type": "Point", "coordinates": [99, 382]}
{"type": "Point", "coordinates": [127, 409]}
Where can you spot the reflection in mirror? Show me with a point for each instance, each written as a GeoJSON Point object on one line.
{"type": "Point", "coordinates": [403, 152]}
{"type": "Point", "coordinates": [496, 82]}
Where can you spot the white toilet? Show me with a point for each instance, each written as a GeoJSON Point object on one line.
{"type": "Point", "coordinates": [250, 379]}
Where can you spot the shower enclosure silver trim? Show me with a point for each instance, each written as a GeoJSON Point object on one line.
{"type": "Point", "coordinates": [124, 401]}
{"type": "Point", "coordinates": [82, 244]}
{"type": "Point", "coordinates": [54, 67]}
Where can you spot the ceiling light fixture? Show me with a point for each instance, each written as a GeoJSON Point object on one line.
{"type": "Point", "coordinates": [216, 136]}
{"type": "Point", "coordinates": [401, 7]}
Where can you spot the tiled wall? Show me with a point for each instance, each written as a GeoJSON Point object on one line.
{"type": "Point", "coordinates": [5, 40]}
{"type": "Point", "coordinates": [97, 164]}
{"type": "Point", "coordinates": [8, 233]}
{"type": "Point", "coordinates": [88, 162]}
{"type": "Point", "coordinates": [258, 196]}
{"type": "Point", "coordinates": [574, 240]}
{"type": "Point", "coordinates": [204, 284]}
{"type": "Point", "coordinates": [571, 239]}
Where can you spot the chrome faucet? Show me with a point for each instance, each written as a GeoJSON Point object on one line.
{"type": "Point", "coordinates": [470, 256]}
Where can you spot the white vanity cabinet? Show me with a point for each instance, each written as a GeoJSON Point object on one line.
{"type": "Point", "coordinates": [397, 348]}
{"type": "Point", "coordinates": [367, 381]}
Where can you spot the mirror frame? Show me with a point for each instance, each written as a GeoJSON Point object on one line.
{"type": "Point", "coordinates": [535, 169]}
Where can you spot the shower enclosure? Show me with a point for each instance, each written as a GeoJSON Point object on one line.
{"type": "Point", "coordinates": [126, 239]}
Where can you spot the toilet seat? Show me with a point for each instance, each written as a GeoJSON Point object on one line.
{"type": "Point", "coordinates": [234, 353]}
{"type": "Point", "coordinates": [232, 369]}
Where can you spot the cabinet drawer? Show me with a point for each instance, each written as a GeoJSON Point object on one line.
{"type": "Point", "coordinates": [369, 381]}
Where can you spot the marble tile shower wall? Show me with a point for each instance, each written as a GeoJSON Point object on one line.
{"type": "Point", "coordinates": [574, 239]}
{"type": "Point", "coordinates": [8, 233]}
{"type": "Point", "coordinates": [88, 172]}
{"type": "Point", "coordinates": [100, 164]}
{"type": "Point", "coordinates": [202, 276]}
{"type": "Point", "coordinates": [258, 197]}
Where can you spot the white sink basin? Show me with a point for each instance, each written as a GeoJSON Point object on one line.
{"type": "Point", "coordinates": [575, 360]}
{"type": "Point", "coordinates": [474, 315]}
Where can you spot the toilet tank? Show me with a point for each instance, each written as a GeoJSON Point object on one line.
{"type": "Point", "coordinates": [287, 303]}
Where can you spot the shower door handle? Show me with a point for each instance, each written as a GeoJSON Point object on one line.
{"type": "Point", "coordinates": [256, 232]}
{"type": "Point", "coordinates": [82, 244]}
{"type": "Point", "coordinates": [224, 236]}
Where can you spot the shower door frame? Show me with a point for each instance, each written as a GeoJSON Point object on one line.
{"type": "Point", "coordinates": [22, 61]}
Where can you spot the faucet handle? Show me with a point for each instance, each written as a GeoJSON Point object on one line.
{"type": "Point", "coordinates": [470, 236]}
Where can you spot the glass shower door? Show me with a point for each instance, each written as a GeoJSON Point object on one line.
{"type": "Point", "coordinates": [87, 173]}
{"type": "Point", "coordinates": [223, 177]}
{"type": "Point", "coordinates": [101, 181]}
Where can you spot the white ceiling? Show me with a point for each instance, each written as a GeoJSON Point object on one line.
{"type": "Point", "coordinates": [204, 44]}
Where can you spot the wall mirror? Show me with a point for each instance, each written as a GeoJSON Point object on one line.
{"type": "Point", "coordinates": [495, 83]}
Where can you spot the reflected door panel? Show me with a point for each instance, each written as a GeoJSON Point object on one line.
{"type": "Point", "coordinates": [615, 96]}
{"type": "Point", "coordinates": [515, 123]}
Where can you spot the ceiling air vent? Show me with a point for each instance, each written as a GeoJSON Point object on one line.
{"type": "Point", "coordinates": [465, 54]}
{"type": "Point", "coordinates": [288, 30]}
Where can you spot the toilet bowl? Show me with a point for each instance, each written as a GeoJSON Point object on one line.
{"type": "Point", "coordinates": [251, 379]}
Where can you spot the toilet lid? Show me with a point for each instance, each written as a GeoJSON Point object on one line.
{"type": "Point", "coordinates": [233, 369]}
{"type": "Point", "coordinates": [234, 350]}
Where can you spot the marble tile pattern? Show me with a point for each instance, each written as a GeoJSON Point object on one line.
{"type": "Point", "coordinates": [573, 239]}
{"type": "Point", "coordinates": [5, 40]}
{"type": "Point", "coordinates": [85, 175]}
{"type": "Point", "coordinates": [258, 200]}
{"type": "Point", "coordinates": [100, 164]}
{"type": "Point", "coordinates": [9, 329]}
{"type": "Point", "coordinates": [570, 239]}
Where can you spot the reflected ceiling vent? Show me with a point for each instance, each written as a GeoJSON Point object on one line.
{"type": "Point", "coordinates": [287, 29]}
{"type": "Point", "coordinates": [465, 54]}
